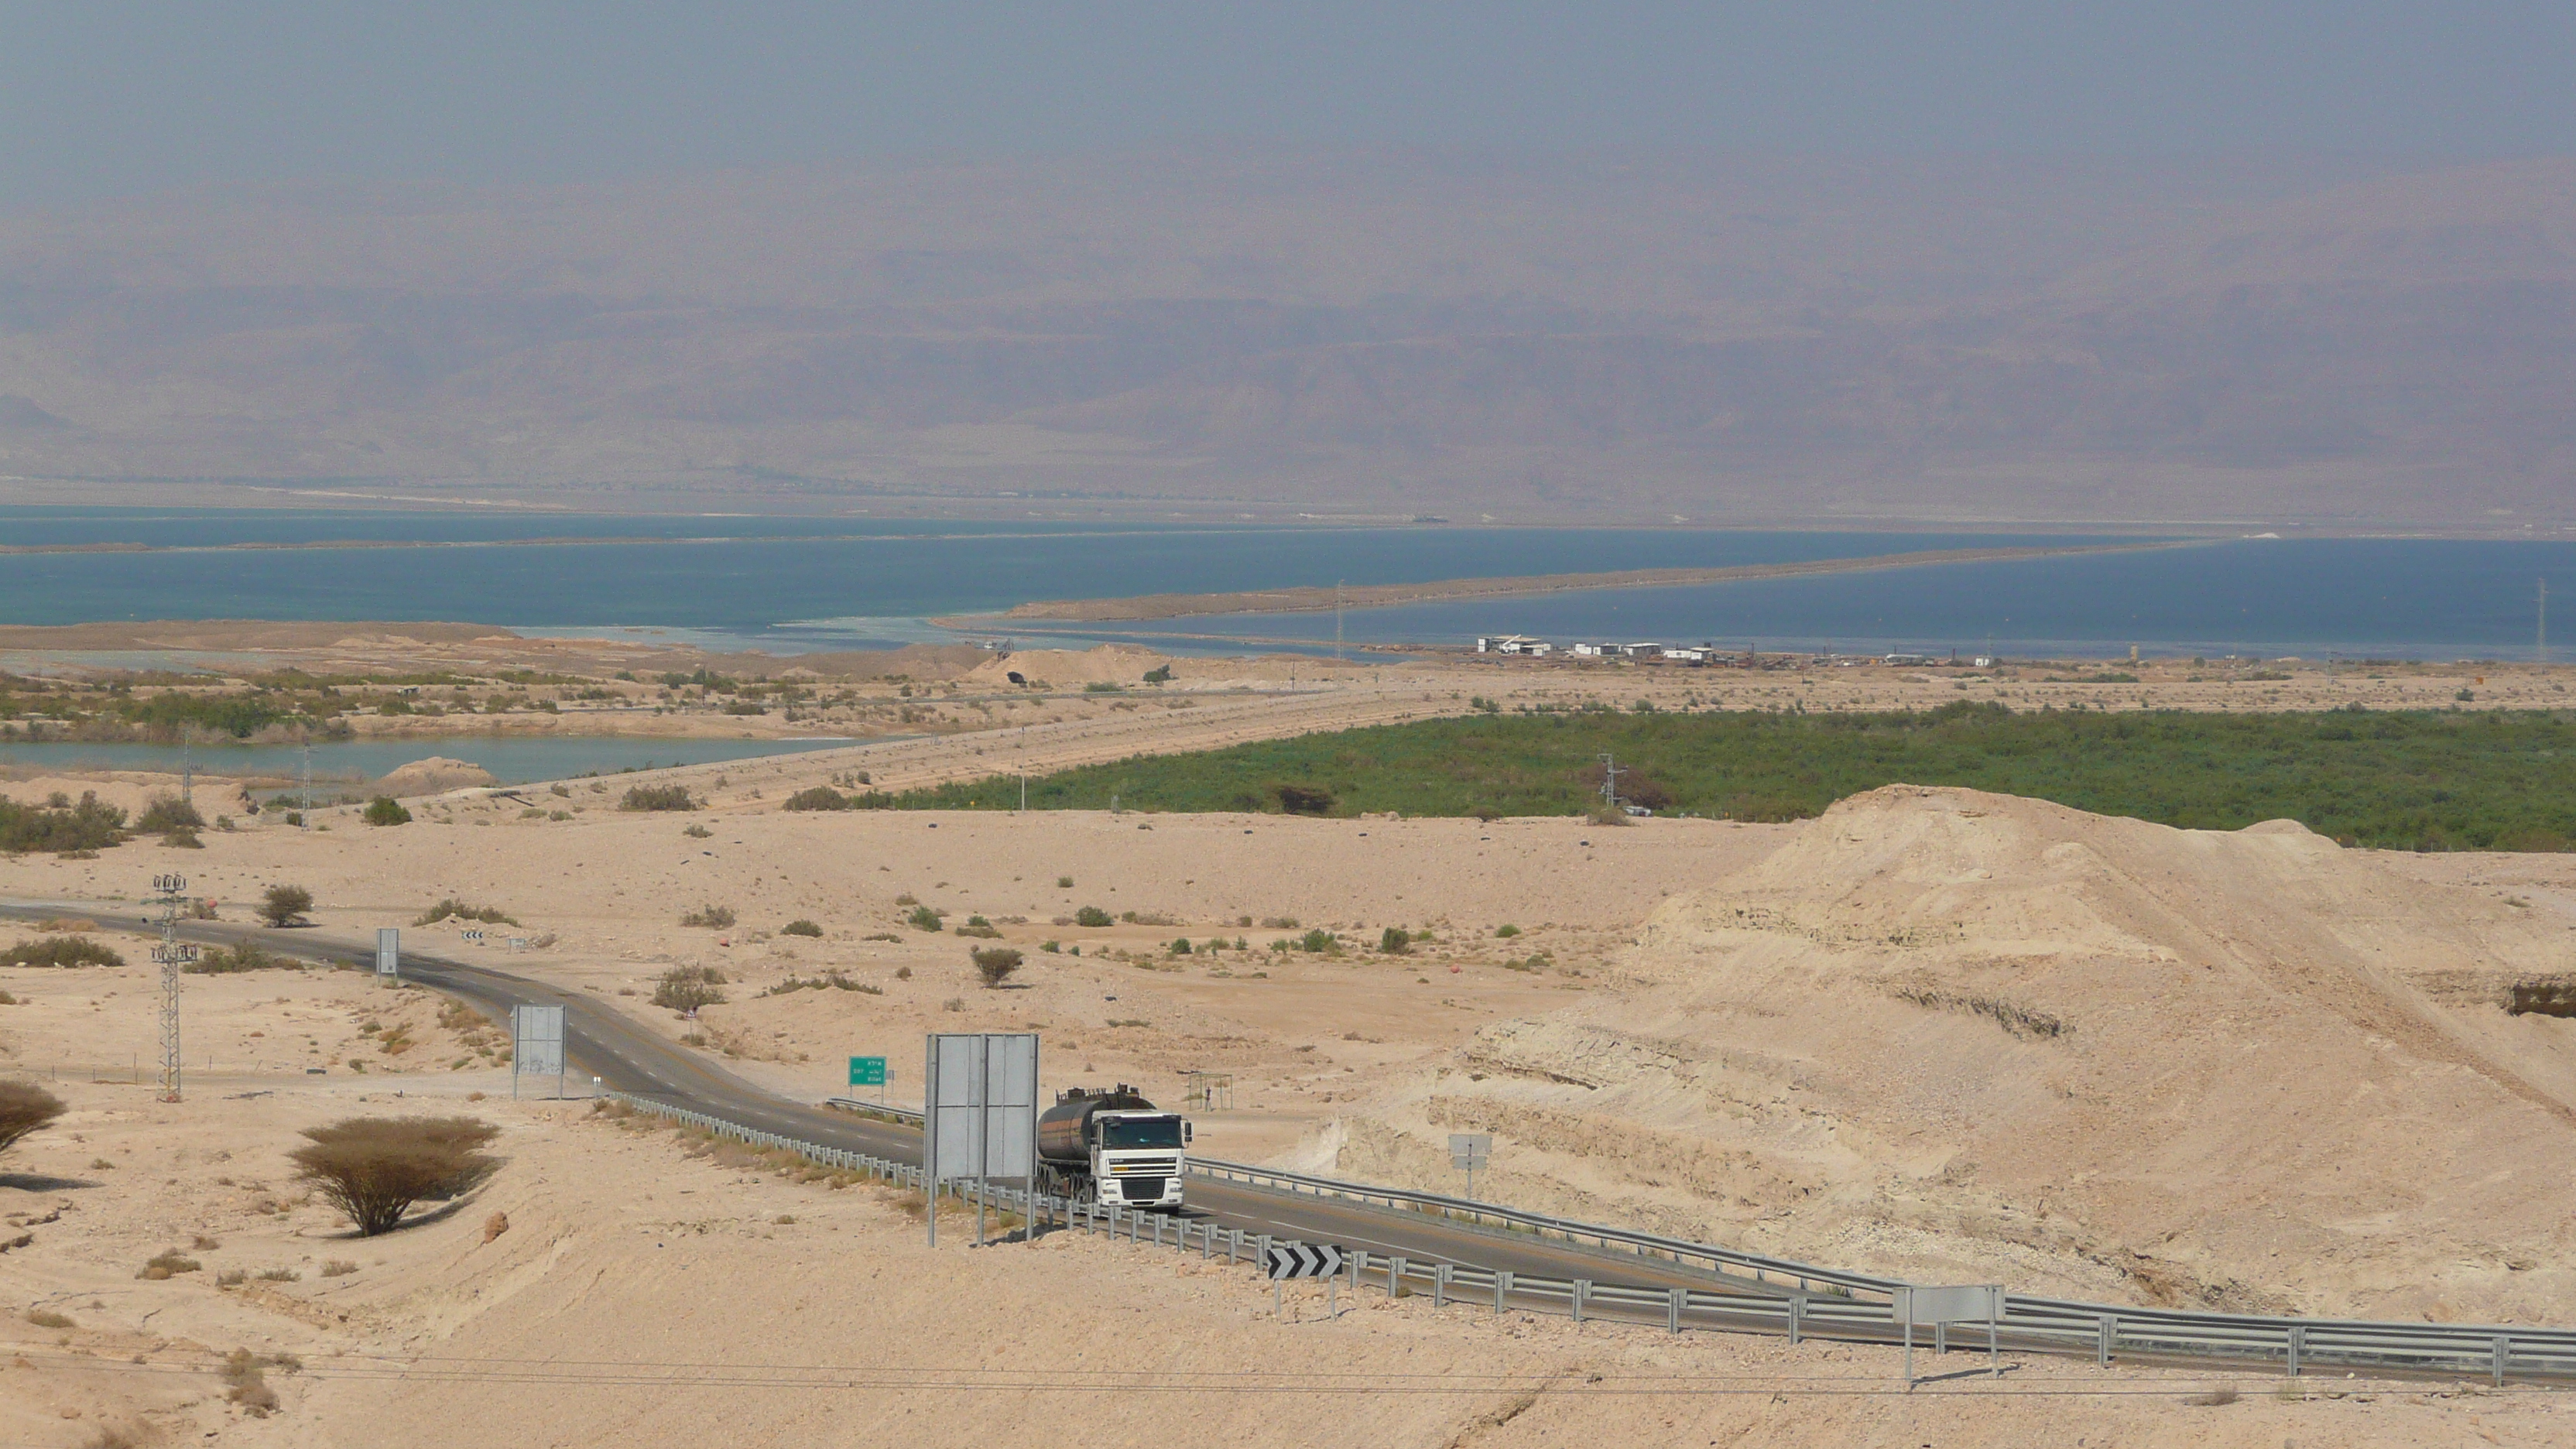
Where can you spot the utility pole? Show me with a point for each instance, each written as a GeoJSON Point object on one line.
{"type": "Point", "coordinates": [304, 791]}
{"type": "Point", "coordinates": [172, 955]}
{"type": "Point", "coordinates": [2540, 634]}
{"type": "Point", "coordinates": [1610, 781]}
{"type": "Point", "coordinates": [1338, 651]}
{"type": "Point", "coordinates": [187, 770]}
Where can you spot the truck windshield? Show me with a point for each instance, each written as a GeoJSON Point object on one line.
{"type": "Point", "coordinates": [1141, 1132]}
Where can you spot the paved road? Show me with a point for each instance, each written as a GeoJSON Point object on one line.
{"type": "Point", "coordinates": [605, 1043]}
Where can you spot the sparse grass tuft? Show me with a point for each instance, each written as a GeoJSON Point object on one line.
{"type": "Point", "coordinates": [713, 917]}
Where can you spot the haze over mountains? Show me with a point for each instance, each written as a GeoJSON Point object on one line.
{"type": "Point", "coordinates": [1274, 331]}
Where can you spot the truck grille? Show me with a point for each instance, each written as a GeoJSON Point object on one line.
{"type": "Point", "coordinates": [1142, 1189]}
{"type": "Point", "coordinates": [1160, 1166]}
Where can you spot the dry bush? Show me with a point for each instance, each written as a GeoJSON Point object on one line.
{"type": "Point", "coordinates": [686, 988]}
{"type": "Point", "coordinates": [995, 964]}
{"type": "Point", "coordinates": [338, 1268]}
{"type": "Point", "coordinates": [25, 1107]}
{"type": "Point", "coordinates": [47, 1318]}
{"type": "Point", "coordinates": [802, 927]}
{"type": "Point", "coordinates": [282, 905]}
{"type": "Point", "coordinates": [714, 918]}
{"type": "Point", "coordinates": [246, 956]}
{"type": "Point", "coordinates": [168, 1263]}
{"type": "Point", "coordinates": [454, 909]}
{"type": "Point", "coordinates": [657, 797]}
{"type": "Point", "coordinates": [280, 1275]}
{"type": "Point", "coordinates": [2218, 1397]}
{"type": "Point", "coordinates": [248, 1386]}
{"type": "Point", "coordinates": [374, 1168]}
{"type": "Point", "coordinates": [60, 951]}
{"type": "Point", "coordinates": [232, 1277]}
{"type": "Point", "coordinates": [166, 813]}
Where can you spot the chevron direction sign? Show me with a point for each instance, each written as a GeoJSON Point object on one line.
{"type": "Point", "coordinates": [1304, 1260]}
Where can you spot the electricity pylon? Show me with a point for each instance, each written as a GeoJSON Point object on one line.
{"type": "Point", "coordinates": [172, 955]}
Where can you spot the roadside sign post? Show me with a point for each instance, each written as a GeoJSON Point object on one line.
{"type": "Point", "coordinates": [388, 952]}
{"type": "Point", "coordinates": [1941, 1306]}
{"type": "Point", "coordinates": [1467, 1152]}
{"type": "Point", "coordinates": [869, 1072]}
{"type": "Point", "coordinates": [536, 1044]}
{"type": "Point", "coordinates": [1283, 1261]}
{"type": "Point", "coordinates": [979, 1118]}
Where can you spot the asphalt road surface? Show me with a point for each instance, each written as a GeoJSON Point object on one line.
{"type": "Point", "coordinates": [626, 1057]}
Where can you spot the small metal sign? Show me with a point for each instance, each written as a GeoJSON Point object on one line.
{"type": "Point", "coordinates": [1941, 1307]}
{"type": "Point", "coordinates": [867, 1071]}
{"type": "Point", "coordinates": [1303, 1260]}
{"type": "Point", "coordinates": [536, 1044]}
{"type": "Point", "coordinates": [388, 951]}
{"type": "Point", "coordinates": [1467, 1152]}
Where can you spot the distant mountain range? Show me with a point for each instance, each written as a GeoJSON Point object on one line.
{"type": "Point", "coordinates": [1719, 339]}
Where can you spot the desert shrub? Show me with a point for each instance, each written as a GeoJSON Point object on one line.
{"type": "Point", "coordinates": [903, 973]}
{"type": "Point", "coordinates": [60, 951]}
{"type": "Point", "coordinates": [713, 917]}
{"type": "Point", "coordinates": [1279, 923]}
{"type": "Point", "coordinates": [697, 832]}
{"type": "Point", "coordinates": [246, 1385]}
{"type": "Point", "coordinates": [281, 905]}
{"type": "Point", "coordinates": [279, 1275]}
{"type": "Point", "coordinates": [924, 918]}
{"type": "Point", "coordinates": [995, 963]}
{"type": "Point", "coordinates": [454, 909]}
{"type": "Point", "coordinates": [374, 1168]}
{"type": "Point", "coordinates": [820, 797]}
{"type": "Point", "coordinates": [183, 839]}
{"type": "Point", "coordinates": [47, 1318]}
{"type": "Point", "coordinates": [1507, 931]}
{"type": "Point", "coordinates": [61, 825]}
{"type": "Point", "coordinates": [24, 1108]}
{"type": "Point", "coordinates": [978, 926]}
{"type": "Point", "coordinates": [686, 988]}
{"type": "Point", "coordinates": [1092, 916]}
{"type": "Point", "coordinates": [386, 810]}
{"type": "Point", "coordinates": [1159, 674]}
{"type": "Point", "coordinates": [244, 956]}
{"type": "Point", "coordinates": [657, 797]}
{"type": "Point", "coordinates": [801, 928]}
{"type": "Point", "coordinates": [338, 1268]}
{"type": "Point", "coordinates": [1064, 882]}
{"type": "Point", "coordinates": [1395, 941]}
{"type": "Point", "coordinates": [167, 813]}
{"type": "Point", "coordinates": [1318, 940]}
{"type": "Point", "coordinates": [168, 1263]}
{"type": "Point", "coordinates": [1303, 799]}
{"type": "Point", "coordinates": [1180, 947]}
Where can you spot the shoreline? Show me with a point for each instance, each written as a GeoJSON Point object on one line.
{"type": "Point", "coordinates": [1374, 596]}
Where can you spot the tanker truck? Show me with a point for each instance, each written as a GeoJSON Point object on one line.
{"type": "Point", "coordinates": [1112, 1148]}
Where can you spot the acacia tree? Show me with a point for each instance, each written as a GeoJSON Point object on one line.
{"type": "Point", "coordinates": [282, 904]}
{"type": "Point", "coordinates": [25, 1107]}
{"type": "Point", "coordinates": [374, 1168]}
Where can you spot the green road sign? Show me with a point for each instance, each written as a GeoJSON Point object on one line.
{"type": "Point", "coordinates": [867, 1071]}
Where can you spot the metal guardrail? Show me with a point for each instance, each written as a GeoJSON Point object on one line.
{"type": "Point", "coordinates": [2102, 1332]}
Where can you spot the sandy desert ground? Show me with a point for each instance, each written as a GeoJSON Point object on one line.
{"type": "Point", "coordinates": [1933, 1033]}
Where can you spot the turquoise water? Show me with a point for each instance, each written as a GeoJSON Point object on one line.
{"type": "Point", "coordinates": [513, 761]}
{"type": "Point", "coordinates": [780, 584]}
{"type": "Point", "coordinates": [789, 585]}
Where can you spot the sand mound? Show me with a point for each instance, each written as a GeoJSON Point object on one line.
{"type": "Point", "coordinates": [433, 775]}
{"type": "Point", "coordinates": [1106, 664]}
{"type": "Point", "coordinates": [1956, 1035]}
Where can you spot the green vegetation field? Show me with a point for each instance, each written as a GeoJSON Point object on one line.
{"type": "Point", "coordinates": [2426, 780]}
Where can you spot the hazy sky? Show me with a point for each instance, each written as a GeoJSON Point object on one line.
{"type": "Point", "coordinates": [99, 97]}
